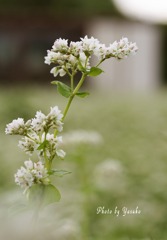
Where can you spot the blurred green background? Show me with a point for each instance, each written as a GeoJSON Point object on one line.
{"type": "Point", "coordinates": [122, 162]}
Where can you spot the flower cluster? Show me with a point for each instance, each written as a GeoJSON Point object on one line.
{"type": "Point", "coordinates": [75, 56]}
{"type": "Point", "coordinates": [32, 173]}
{"type": "Point", "coordinates": [40, 134]}
{"type": "Point", "coordinates": [37, 138]}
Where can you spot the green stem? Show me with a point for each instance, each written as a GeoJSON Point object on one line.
{"type": "Point", "coordinates": [72, 82]}
{"type": "Point", "coordinates": [73, 95]}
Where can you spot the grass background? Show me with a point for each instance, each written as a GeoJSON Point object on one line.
{"type": "Point", "coordinates": [127, 169]}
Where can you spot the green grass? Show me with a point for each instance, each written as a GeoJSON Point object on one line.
{"type": "Point", "coordinates": [128, 168]}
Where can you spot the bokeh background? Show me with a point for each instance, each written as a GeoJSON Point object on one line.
{"type": "Point", "coordinates": [115, 139]}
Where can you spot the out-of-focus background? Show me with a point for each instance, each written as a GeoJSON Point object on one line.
{"type": "Point", "coordinates": [116, 146]}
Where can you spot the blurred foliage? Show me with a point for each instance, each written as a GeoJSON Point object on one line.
{"type": "Point", "coordinates": [78, 7]}
{"type": "Point", "coordinates": [127, 169]}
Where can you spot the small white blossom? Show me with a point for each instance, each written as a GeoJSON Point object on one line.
{"type": "Point", "coordinates": [89, 44]}
{"type": "Point", "coordinates": [51, 56]}
{"type": "Point", "coordinates": [62, 72]}
{"type": "Point", "coordinates": [122, 49]}
{"type": "Point", "coordinates": [60, 153]}
{"type": "Point", "coordinates": [75, 48]}
{"type": "Point", "coordinates": [29, 164]}
{"type": "Point", "coordinates": [32, 173]}
{"type": "Point", "coordinates": [17, 126]}
{"type": "Point", "coordinates": [52, 146]}
{"type": "Point", "coordinates": [60, 45]}
{"type": "Point", "coordinates": [38, 123]}
{"type": "Point", "coordinates": [54, 71]}
{"type": "Point", "coordinates": [101, 51]}
{"type": "Point", "coordinates": [55, 118]}
{"type": "Point", "coordinates": [28, 145]}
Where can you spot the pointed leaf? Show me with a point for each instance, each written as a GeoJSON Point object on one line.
{"type": "Point", "coordinates": [54, 82]}
{"type": "Point", "coordinates": [51, 194]}
{"type": "Point", "coordinates": [82, 94]}
{"type": "Point", "coordinates": [62, 88]}
{"type": "Point", "coordinates": [42, 195]}
{"type": "Point", "coordinates": [95, 71]}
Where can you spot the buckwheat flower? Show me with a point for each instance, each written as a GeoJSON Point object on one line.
{"type": "Point", "coordinates": [89, 44]}
{"type": "Point", "coordinates": [84, 61]}
{"type": "Point", "coordinates": [40, 173]}
{"type": "Point", "coordinates": [17, 127]}
{"type": "Point", "coordinates": [122, 49]}
{"type": "Point", "coordinates": [24, 178]}
{"type": "Point", "coordinates": [75, 48]}
{"type": "Point", "coordinates": [32, 173]}
{"type": "Point", "coordinates": [53, 146]}
{"type": "Point", "coordinates": [72, 60]}
{"type": "Point", "coordinates": [54, 118]}
{"type": "Point", "coordinates": [28, 145]}
{"type": "Point", "coordinates": [51, 57]}
{"type": "Point", "coordinates": [38, 123]}
{"type": "Point", "coordinates": [62, 72]}
{"type": "Point", "coordinates": [58, 71]}
{"type": "Point", "coordinates": [60, 153]}
{"type": "Point", "coordinates": [54, 71]}
{"type": "Point", "coordinates": [60, 45]}
{"type": "Point", "coordinates": [101, 51]}
{"type": "Point", "coordinates": [29, 164]}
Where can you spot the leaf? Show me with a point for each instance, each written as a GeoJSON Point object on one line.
{"type": "Point", "coordinates": [42, 195]}
{"type": "Point", "coordinates": [59, 173]}
{"type": "Point", "coordinates": [54, 82]}
{"type": "Point", "coordinates": [82, 94]}
{"type": "Point", "coordinates": [62, 88]}
{"type": "Point", "coordinates": [43, 145]}
{"type": "Point", "coordinates": [94, 71]}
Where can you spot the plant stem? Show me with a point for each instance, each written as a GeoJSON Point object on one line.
{"type": "Point", "coordinates": [73, 95]}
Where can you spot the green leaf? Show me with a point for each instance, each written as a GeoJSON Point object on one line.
{"type": "Point", "coordinates": [59, 173]}
{"type": "Point", "coordinates": [43, 145]}
{"type": "Point", "coordinates": [62, 88]}
{"type": "Point", "coordinates": [54, 82]}
{"type": "Point", "coordinates": [42, 195]}
{"type": "Point", "coordinates": [94, 71]}
{"type": "Point", "coordinates": [82, 94]}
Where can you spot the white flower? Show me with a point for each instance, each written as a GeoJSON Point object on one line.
{"type": "Point", "coordinates": [17, 126]}
{"type": "Point", "coordinates": [54, 118]}
{"type": "Point", "coordinates": [75, 48]}
{"type": "Point", "coordinates": [38, 123]}
{"type": "Point", "coordinates": [24, 178]}
{"type": "Point", "coordinates": [100, 51]}
{"type": "Point", "coordinates": [54, 71]}
{"type": "Point", "coordinates": [39, 172]}
{"type": "Point", "coordinates": [51, 57]}
{"type": "Point", "coordinates": [52, 147]}
{"type": "Point", "coordinates": [28, 145]}
{"type": "Point", "coordinates": [29, 164]}
{"type": "Point", "coordinates": [72, 60]}
{"type": "Point", "coordinates": [60, 153]}
{"type": "Point", "coordinates": [32, 173]}
{"type": "Point", "coordinates": [60, 45]}
{"type": "Point", "coordinates": [89, 44]}
{"type": "Point", "coordinates": [122, 49]}
{"type": "Point", "coordinates": [62, 72]}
